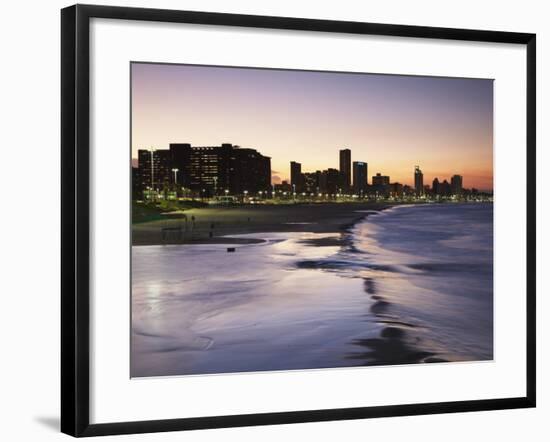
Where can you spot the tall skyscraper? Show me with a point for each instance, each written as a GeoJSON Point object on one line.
{"type": "Point", "coordinates": [418, 181]}
{"type": "Point", "coordinates": [435, 187]}
{"type": "Point", "coordinates": [360, 174]}
{"type": "Point", "coordinates": [155, 171]}
{"type": "Point", "coordinates": [296, 176]}
{"type": "Point", "coordinates": [345, 167]}
{"type": "Point", "coordinates": [456, 185]}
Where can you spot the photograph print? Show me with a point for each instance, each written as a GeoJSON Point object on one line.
{"type": "Point", "coordinates": [298, 220]}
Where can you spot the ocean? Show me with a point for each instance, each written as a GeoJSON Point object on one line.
{"type": "Point", "coordinates": [410, 284]}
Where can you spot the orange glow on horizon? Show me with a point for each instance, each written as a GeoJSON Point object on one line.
{"type": "Point", "coordinates": [393, 123]}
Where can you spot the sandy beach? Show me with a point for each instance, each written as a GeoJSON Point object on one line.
{"type": "Point", "coordinates": [214, 225]}
{"type": "Point", "coordinates": [357, 286]}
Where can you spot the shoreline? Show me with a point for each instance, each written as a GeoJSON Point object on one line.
{"type": "Point", "coordinates": [348, 301]}
{"type": "Point", "coordinates": [217, 225]}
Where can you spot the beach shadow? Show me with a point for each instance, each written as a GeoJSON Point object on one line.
{"type": "Point", "coordinates": [370, 286]}
{"type": "Point", "coordinates": [394, 345]}
{"type": "Point", "coordinates": [50, 422]}
{"type": "Point", "coordinates": [390, 348]}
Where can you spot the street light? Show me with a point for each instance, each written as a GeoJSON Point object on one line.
{"type": "Point", "coordinates": [175, 176]}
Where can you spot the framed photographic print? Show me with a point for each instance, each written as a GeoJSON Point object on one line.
{"type": "Point", "coordinates": [274, 220]}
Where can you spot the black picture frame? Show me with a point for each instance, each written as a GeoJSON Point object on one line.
{"type": "Point", "coordinates": [75, 212]}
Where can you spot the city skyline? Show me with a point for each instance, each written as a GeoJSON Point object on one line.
{"type": "Point", "coordinates": [390, 122]}
{"type": "Point", "coordinates": [232, 171]}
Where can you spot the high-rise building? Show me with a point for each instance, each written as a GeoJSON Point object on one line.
{"type": "Point", "coordinates": [137, 189]}
{"type": "Point", "coordinates": [445, 188]}
{"type": "Point", "coordinates": [181, 159]}
{"type": "Point", "coordinates": [206, 171]}
{"type": "Point", "coordinates": [435, 186]}
{"type": "Point", "coordinates": [360, 174]}
{"type": "Point", "coordinates": [296, 178]}
{"type": "Point", "coordinates": [331, 181]}
{"type": "Point", "coordinates": [203, 168]}
{"type": "Point", "coordinates": [210, 170]}
{"type": "Point", "coordinates": [456, 185]}
{"type": "Point", "coordinates": [155, 170]}
{"type": "Point", "coordinates": [380, 184]}
{"type": "Point", "coordinates": [248, 171]}
{"type": "Point", "coordinates": [345, 167]}
{"type": "Point", "coordinates": [418, 181]}
{"type": "Point", "coordinates": [311, 181]}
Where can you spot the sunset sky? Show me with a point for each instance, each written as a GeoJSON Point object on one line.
{"type": "Point", "coordinates": [392, 122]}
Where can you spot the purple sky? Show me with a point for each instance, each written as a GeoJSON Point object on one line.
{"type": "Point", "coordinates": [445, 125]}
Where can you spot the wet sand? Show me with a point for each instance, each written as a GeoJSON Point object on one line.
{"type": "Point", "coordinates": [394, 346]}
{"type": "Point", "coordinates": [356, 307]}
{"type": "Point", "coordinates": [213, 225]}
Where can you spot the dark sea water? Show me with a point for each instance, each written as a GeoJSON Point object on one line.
{"type": "Point", "coordinates": [432, 268]}
{"type": "Point", "coordinates": [411, 284]}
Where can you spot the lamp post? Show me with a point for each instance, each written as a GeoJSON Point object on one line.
{"type": "Point", "coordinates": [175, 176]}
{"type": "Point", "coordinates": [175, 170]}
